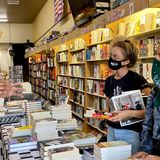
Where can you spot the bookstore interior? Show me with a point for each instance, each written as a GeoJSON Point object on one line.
{"type": "Point", "coordinates": [64, 56]}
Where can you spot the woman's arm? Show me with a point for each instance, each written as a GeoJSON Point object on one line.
{"type": "Point", "coordinates": [8, 89]}
{"type": "Point", "coordinates": [126, 114]}
{"type": "Point", "coordinates": [146, 91]}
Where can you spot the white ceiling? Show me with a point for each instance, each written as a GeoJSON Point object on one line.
{"type": "Point", "coordinates": [25, 12]}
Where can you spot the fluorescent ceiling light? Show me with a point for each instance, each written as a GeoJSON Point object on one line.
{"type": "Point", "coordinates": [3, 20]}
{"type": "Point", "coordinates": [13, 2]}
{"type": "Point", "coordinates": [3, 15]}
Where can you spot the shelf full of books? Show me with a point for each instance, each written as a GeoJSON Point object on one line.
{"type": "Point", "coordinates": [62, 59]}
{"type": "Point", "coordinates": [77, 77]}
{"type": "Point", "coordinates": [42, 74]}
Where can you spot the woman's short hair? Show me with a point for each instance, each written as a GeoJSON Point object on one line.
{"type": "Point", "coordinates": [130, 49]}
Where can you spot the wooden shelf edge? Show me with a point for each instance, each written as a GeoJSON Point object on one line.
{"type": "Point", "coordinates": [77, 115]}
{"type": "Point", "coordinates": [101, 42]}
{"type": "Point", "coordinates": [99, 79]}
{"type": "Point", "coordinates": [97, 128]}
{"type": "Point", "coordinates": [77, 103]}
{"type": "Point", "coordinates": [76, 50]}
{"type": "Point", "coordinates": [96, 95]}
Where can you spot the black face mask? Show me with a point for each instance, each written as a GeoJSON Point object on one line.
{"type": "Point", "coordinates": [115, 65]}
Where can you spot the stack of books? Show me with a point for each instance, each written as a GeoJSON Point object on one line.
{"type": "Point", "coordinates": [37, 115]}
{"type": "Point", "coordinates": [32, 106]}
{"type": "Point", "coordinates": [103, 150]}
{"type": "Point", "coordinates": [45, 129]}
{"type": "Point", "coordinates": [14, 106]}
{"type": "Point", "coordinates": [67, 124]}
{"type": "Point", "coordinates": [64, 153]}
{"type": "Point", "coordinates": [61, 112]}
{"type": "Point", "coordinates": [31, 154]}
{"type": "Point", "coordinates": [50, 144]}
{"type": "Point", "coordinates": [16, 73]}
{"type": "Point", "coordinates": [79, 138]}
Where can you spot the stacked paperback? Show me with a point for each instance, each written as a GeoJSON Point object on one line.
{"type": "Point", "coordinates": [67, 124]}
{"type": "Point", "coordinates": [79, 138]}
{"type": "Point", "coordinates": [60, 112]}
{"type": "Point", "coordinates": [32, 106]}
{"type": "Point", "coordinates": [121, 150]}
{"type": "Point", "coordinates": [17, 131]}
{"type": "Point", "coordinates": [31, 154]}
{"type": "Point", "coordinates": [45, 129]}
{"type": "Point", "coordinates": [60, 148]}
{"type": "Point", "coordinates": [22, 143]}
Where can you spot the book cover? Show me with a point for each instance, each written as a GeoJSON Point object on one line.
{"type": "Point", "coordinates": [22, 141]}
{"type": "Point", "coordinates": [131, 100]}
{"type": "Point", "coordinates": [143, 47]}
{"type": "Point", "coordinates": [158, 19]}
{"type": "Point", "coordinates": [56, 143]}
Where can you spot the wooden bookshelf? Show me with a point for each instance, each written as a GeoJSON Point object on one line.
{"type": "Point", "coordinates": [111, 20]}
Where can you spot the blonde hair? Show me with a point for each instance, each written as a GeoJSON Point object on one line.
{"type": "Point", "coordinates": [130, 49]}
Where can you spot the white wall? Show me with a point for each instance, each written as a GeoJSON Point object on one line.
{"type": "Point", "coordinates": [15, 32]}
{"type": "Point", "coordinates": [21, 32]}
{"type": "Point", "coordinates": [5, 59]}
{"type": "Point", "coordinates": [45, 20]}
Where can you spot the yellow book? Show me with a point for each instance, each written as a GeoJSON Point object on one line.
{"type": "Point", "coordinates": [149, 21]}
{"type": "Point", "coordinates": [23, 128]}
{"type": "Point", "coordinates": [121, 29]}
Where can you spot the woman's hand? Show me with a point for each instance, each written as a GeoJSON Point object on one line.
{"type": "Point", "coordinates": [8, 89]}
{"type": "Point", "coordinates": [151, 157]}
{"type": "Point", "coordinates": [138, 155]}
{"type": "Point", "coordinates": [120, 115]}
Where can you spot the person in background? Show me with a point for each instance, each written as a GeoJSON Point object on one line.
{"type": "Point", "coordinates": [124, 54]}
{"type": "Point", "coordinates": [8, 89]}
{"type": "Point", "coordinates": [150, 136]}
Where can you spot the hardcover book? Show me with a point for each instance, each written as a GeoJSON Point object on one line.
{"type": "Point", "coordinates": [131, 100]}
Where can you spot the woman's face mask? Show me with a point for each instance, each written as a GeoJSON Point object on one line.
{"type": "Point", "coordinates": [114, 64]}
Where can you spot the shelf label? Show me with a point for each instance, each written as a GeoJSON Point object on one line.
{"type": "Point", "coordinates": [131, 8]}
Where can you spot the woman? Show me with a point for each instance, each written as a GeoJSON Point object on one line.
{"type": "Point", "coordinates": [124, 55]}
{"type": "Point", "coordinates": [150, 136]}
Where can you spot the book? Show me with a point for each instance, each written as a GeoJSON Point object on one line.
{"type": "Point", "coordinates": [103, 150]}
{"type": "Point", "coordinates": [131, 100]}
{"type": "Point", "coordinates": [22, 141]}
{"type": "Point", "coordinates": [56, 143]}
{"type": "Point", "coordinates": [26, 87]}
{"type": "Point", "coordinates": [158, 19]}
{"type": "Point", "coordinates": [21, 131]}
{"type": "Point", "coordinates": [64, 153]}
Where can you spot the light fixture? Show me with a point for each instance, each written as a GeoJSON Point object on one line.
{"type": "Point", "coordinates": [3, 15]}
{"type": "Point", "coordinates": [3, 19]}
{"type": "Point", "coordinates": [13, 2]}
